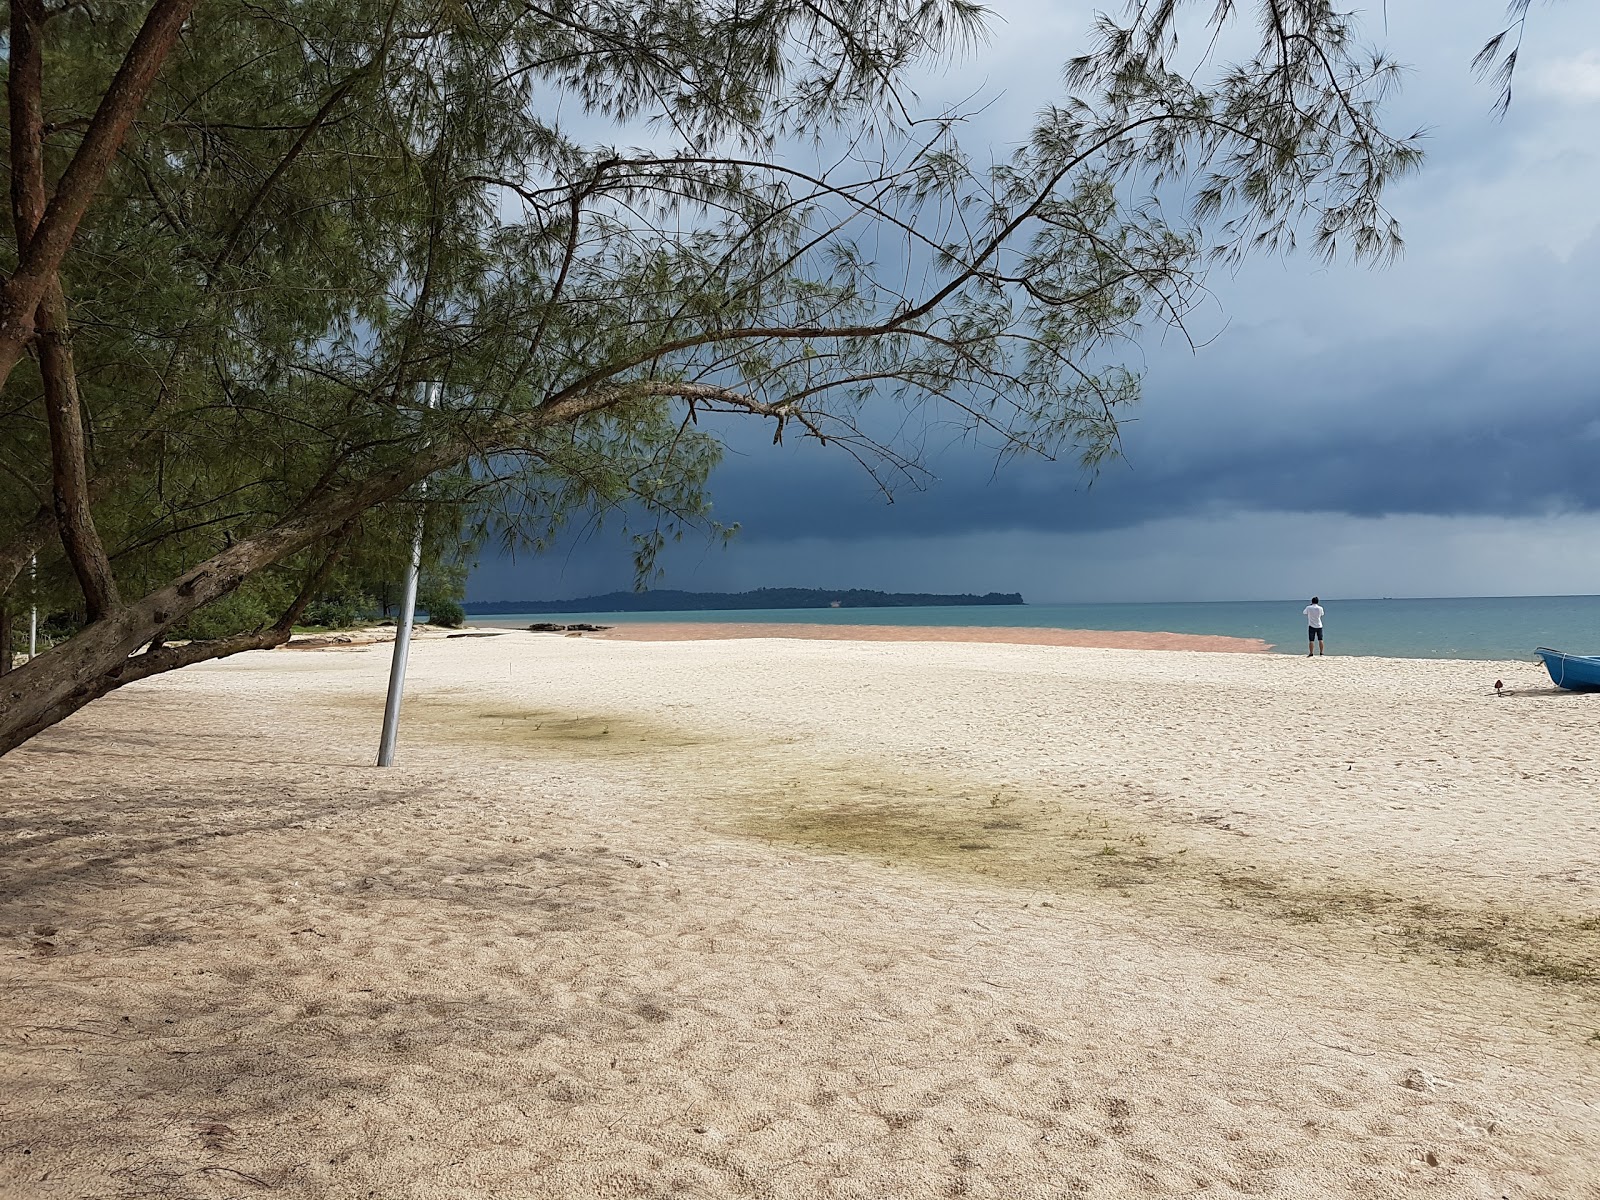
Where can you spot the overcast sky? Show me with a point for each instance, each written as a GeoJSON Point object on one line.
{"type": "Point", "coordinates": [1429, 428]}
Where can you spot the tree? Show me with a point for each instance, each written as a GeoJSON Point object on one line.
{"type": "Point", "coordinates": [272, 228]}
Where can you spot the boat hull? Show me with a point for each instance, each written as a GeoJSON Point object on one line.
{"type": "Point", "coordinates": [1575, 672]}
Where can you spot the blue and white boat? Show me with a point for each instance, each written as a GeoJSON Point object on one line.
{"type": "Point", "coordinates": [1575, 672]}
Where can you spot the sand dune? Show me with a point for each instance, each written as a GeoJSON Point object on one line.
{"type": "Point", "coordinates": [791, 919]}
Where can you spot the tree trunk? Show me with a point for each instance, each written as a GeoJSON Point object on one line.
{"type": "Point", "coordinates": [40, 259]}
{"type": "Point", "coordinates": [6, 651]}
{"type": "Point", "coordinates": [96, 660]}
{"type": "Point", "coordinates": [55, 704]}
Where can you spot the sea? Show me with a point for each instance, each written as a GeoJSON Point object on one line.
{"type": "Point", "coordinates": [1475, 627]}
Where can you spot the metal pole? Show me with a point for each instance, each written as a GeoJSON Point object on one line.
{"type": "Point", "coordinates": [33, 613]}
{"type": "Point", "coordinates": [402, 633]}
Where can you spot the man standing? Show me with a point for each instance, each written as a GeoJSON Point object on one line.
{"type": "Point", "coordinates": [1314, 627]}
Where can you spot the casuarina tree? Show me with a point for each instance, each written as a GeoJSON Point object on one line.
{"type": "Point", "coordinates": [246, 235]}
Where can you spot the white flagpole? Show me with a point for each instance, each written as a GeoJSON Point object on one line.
{"type": "Point", "coordinates": [33, 613]}
{"type": "Point", "coordinates": [402, 633]}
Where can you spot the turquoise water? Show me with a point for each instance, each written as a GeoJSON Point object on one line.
{"type": "Point", "coordinates": [1483, 627]}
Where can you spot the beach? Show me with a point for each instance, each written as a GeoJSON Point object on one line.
{"type": "Point", "coordinates": [798, 917]}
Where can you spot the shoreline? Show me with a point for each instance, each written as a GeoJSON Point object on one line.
{"type": "Point", "coordinates": [1475, 629]}
{"type": "Point", "coordinates": [1003, 635]}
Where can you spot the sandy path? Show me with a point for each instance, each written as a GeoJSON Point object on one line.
{"type": "Point", "coordinates": [795, 919]}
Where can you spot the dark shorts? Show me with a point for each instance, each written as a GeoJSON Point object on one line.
{"type": "Point", "coordinates": [1315, 634]}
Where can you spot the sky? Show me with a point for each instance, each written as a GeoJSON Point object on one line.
{"type": "Point", "coordinates": [1429, 428]}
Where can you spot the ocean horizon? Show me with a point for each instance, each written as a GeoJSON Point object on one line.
{"type": "Point", "coordinates": [1462, 627]}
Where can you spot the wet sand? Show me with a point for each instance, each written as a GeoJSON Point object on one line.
{"type": "Point", "coordinates": [685, 631]}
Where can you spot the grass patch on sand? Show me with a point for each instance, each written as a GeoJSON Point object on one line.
{"type": "Point", "coordinates": [454, 719]}
{"type": "Point", "coordinates": [1036, 843]}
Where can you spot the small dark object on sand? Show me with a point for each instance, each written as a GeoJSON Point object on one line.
{"type": "Point", "coordinates": [551, 627]}
{"type": "Point", "coordinates": [1497, 688]}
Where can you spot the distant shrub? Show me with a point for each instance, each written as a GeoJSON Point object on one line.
{"type": "Point", "coordinates": [58, 626]}
{"type": "Point", "coordinates": [256, 605]}
{"type": "Point", "coordinates": [446, 613]}
{"type": "Point", "coordinates": [339, 612]}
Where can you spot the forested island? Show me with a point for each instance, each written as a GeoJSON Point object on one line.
{"type": "Point", "coordinates": [673, 601]}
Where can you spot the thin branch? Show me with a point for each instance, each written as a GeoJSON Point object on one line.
{"type": "Point", "coordinates": [16, 552]}
{"type": "Point", "coordinates": [231, 242]}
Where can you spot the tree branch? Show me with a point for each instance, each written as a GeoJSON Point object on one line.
{"type": "Point", "coordinates": [23, 545]}
{"type": "Point", "coordinates": [314, 581]}
{"type": "Point", "coordinates": [39, 260]}
{"type": "Point", "coordinates": [63, 409]}
{"type": "Point", "coordinates": [283, 164]}
{"type": "Point", "coordinates": [967, 271]}
{"type": "Point", "coordinates": [25, 94]}
{"type": "Point", "coordinates": [170, 658]}
{"type": "Point", "coordinates": [69, 460]}
{"type": "Point", "coordinates": [375, 64]}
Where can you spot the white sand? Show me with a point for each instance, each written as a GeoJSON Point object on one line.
{"type": "Point", "coordinates": [802, 919]}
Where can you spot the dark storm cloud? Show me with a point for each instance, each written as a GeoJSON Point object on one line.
{"type": "Point", "coordinates": [1540, 465]}
{"type": "Point", "coordinates": [1500, 417]}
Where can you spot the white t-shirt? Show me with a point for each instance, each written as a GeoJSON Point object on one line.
{"type": "Point", "coordinates": [1314, 615]}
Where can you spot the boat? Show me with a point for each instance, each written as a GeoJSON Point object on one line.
{"type": "Point", "coordinates": [1575, 672]}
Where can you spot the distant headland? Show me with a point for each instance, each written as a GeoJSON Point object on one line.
{"type": "Point", "coordinates": [671, 601]}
